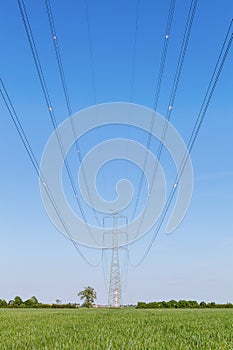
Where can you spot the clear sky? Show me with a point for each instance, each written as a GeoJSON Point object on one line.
{"type": "Point", "coordinates": [195, 262]}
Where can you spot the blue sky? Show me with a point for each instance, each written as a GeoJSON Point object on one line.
{"type": "Point", "coordinates": [195, 262]}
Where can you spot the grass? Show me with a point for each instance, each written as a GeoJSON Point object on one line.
{"type": "Point", "coordinates": [105, 329]}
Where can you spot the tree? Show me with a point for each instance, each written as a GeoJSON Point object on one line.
{"type": "Point", "coordinates": [172, 304]}
{"type": "Point", "coordinates": [3, 303]}
{"type": "Point", "coordinates": [32, 302]}
{"type": "Point", "coordinates": [212, 304]}
{"type": "Point", "coordinates": [18, 301]}
{"type": "Point", "coordinates": [193, 304]}
{"type": "Point", "coordinates": [202, 304]}
{"type": "Point", "coordinates": [141, 305]}
{"type": "Point", "coordinates": [183, 304]}
{"type": "Point", "coordinates": [58, 301]}
{"type": "Point", "coordinates": [88, 295]}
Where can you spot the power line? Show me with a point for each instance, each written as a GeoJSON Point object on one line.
{"type": "Point", "coordinates": [66, 94]}
{"type": "Point", "coordinates": [104, 271]}
{"type": "Point", "coordinates": [91, 52]}
{"type": "Point", "coordinates": [163, 56]}
{"type": "Point", "coordinates": [133, 77]}
{"type": "Point", "coordinates": [200, 118]}
{"type": "Point", "coordinates": [157, 90]}
{"type": "Point", "coordinates": [126, 261]}
{"type": "Point", "coordinates": [24, 139]}
{"type": "Point", "coordinates": [177, 77]}
{"type": "Point", "coordinates": [134, 52]}
{"type": "Point", "coordinates": [28, 30]}
{"type": "Point", "coordinates": [211, 82]}
{"type": "Point", "coordinates": [93, 80]}
{"type": "Point", "coordinates": [59, 59]}
{"type": "Point", "coordinates": [183, 50]}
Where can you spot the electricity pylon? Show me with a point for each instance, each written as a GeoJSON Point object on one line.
{"type": "Point", "coordinates": [115, 291]}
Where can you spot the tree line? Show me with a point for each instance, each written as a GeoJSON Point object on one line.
{"type": "Point", "coordinates": [33, 302]}
{"type": "Point", "coordinates": [88, 295]}
{"type": "Point", "coordinates": [181, 304]}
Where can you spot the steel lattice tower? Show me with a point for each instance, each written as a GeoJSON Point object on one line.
{"type": "Point", "coordinates": [114, 294]}
{"type": "Point", "coordinates": [115, 280]}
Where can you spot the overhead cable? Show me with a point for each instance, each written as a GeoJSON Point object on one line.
{"type": "Point", "coordinates": [25, 141]}
{"type": "Point", "coordinates": [36, 58]}
{"type": "Point", "coordinates": [157, 91]}
{"type": "Point", "coordinates": [196, 129]}
{"type": "Point", "coordinates": [66, 95]}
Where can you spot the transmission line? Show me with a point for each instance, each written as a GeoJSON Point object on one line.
{"type": "Point", "coordinates": [28, 30]}
{"type": "Point", "coordinates": [183, 50]}
{"type": "Point", "coordinates": [91, 51]}
{"type": "Point", "coordinates": [66, 94]}
{"type": "Point", "coordinates": [176, 81]}
{"type": "Point", "coordinates": [134, 52]}
{"type": "Point", "coordinates": [196, 129]}
{"type": "Point", "coordinates": [132, 79]}
{"type": "Point", "coordinates": [157, 91]}
{"type": "Point", "coordinates": [24, 139]}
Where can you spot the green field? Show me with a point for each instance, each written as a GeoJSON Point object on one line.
{"type": "Point", "coordinates": [116, 329]}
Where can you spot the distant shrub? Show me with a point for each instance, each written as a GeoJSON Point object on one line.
{"type": "Point", "coordinates": [3, 303]}
{"type": "Point", "coordinates": [181, 304]}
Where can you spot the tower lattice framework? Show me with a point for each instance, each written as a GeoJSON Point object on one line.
{"type": "Point", "coordinates": [114, 294]}
{"type": "Point", "coordinates": [115, 280]}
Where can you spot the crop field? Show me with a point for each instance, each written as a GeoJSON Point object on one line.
{"type": "Point", "coordinates": [115, 329]}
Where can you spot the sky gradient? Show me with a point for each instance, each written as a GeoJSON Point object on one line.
{"type": "Point", "coordinates": [195, 262]}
